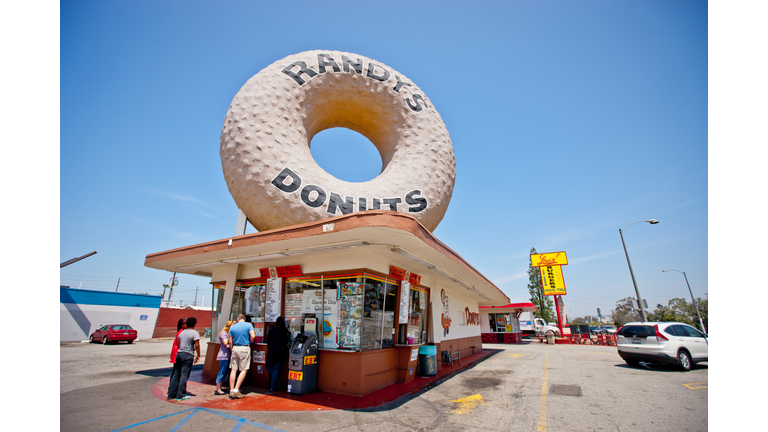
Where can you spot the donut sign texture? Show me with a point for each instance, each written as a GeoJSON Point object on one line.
{"type": "Point", "coordinates": [265, 142]}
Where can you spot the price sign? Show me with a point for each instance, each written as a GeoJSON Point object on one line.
{"type": "Point", "coordinates": [274, 304]}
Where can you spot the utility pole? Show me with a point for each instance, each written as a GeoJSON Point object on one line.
{"type": "Point", "coordinates": [174, 282]}
{"type": "Point", "coordinates": [118, 284]}
{"type": "Point", "coordinates": [196, 295]}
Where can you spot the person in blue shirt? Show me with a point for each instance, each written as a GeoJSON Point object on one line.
{"type": "Point", "coordinates": [241, 335]}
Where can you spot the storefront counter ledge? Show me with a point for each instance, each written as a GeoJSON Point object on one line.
{"type": "Point", "coordinates": [259, 399]}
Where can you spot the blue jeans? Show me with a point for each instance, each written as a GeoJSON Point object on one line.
{"type": "Point", "coordinates": [181, 369]}
{"type": "Point", "coordinates": [223, 371]}
{"type": "Point", "coordinates": [274, 375]}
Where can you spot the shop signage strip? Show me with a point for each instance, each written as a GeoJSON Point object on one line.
{"type": "Point", "coordinates": [282, 272]}
{"type": "Point", "coordinates": [402, 275]}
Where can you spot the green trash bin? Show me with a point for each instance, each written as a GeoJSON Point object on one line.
{"type": "Point", "coordinates": [428, 360]}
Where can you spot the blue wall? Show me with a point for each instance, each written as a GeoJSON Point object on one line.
{"type": "Point", "coordinates": [106, 298]}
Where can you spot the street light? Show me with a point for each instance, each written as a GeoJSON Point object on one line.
{"type": "Point", "coordinates": [639, 301]}
{"type": "Point", "coordinates": [692, 299]}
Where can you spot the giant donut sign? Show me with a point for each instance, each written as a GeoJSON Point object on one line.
{"type": "Point", "coordinates": [265, 142]}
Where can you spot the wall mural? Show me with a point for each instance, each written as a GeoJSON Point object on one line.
{"type": "Point", "coordinates": [445, 319]}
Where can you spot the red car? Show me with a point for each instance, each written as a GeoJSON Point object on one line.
{"type": "Point", "coordinates": [114, 333]}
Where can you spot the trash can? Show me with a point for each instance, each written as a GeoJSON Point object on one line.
{"type": "Point", "coordinates": [550, 338]}
{"type": "Point", "coordinates": [428, 360]}
{"type": "Point", "coordinates": [302, 365]}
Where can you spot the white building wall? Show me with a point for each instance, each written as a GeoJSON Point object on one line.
{"type": "Point", "coordinates": [79, 321]}
{"type": "Point", "coordinates": [457, 305]}
{"type": "Point", "coordinates": [83, 311]}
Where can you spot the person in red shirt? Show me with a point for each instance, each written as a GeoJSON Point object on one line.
{"type": "Point", "coordinates": [180, 326]}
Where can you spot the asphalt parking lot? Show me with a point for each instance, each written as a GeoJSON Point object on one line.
{"type": "Point", "coordinates": [525, 387]}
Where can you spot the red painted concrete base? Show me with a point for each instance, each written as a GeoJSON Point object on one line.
{"type": "Point", "coordinates": [257, 399]}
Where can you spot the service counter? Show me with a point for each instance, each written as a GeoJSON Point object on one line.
{"type": "Point", "coordinates": [257, 374]}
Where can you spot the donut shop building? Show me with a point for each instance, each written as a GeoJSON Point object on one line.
{"type": "Point", "coordinates": [374, 286]}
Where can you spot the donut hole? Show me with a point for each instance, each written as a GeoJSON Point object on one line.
{"type": "Point", "coordinates": [346, 155]}
{"type": "Point", "coordinates": [358, 104]}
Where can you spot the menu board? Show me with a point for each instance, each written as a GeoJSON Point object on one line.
{"type": "Point", "coordinates": [274, 299]}
{"type": "Point", "coordinates": [405, 291]}
{"type": "Point", "coordinates": [293, 305]}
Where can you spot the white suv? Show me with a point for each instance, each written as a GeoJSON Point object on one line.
{"type": "Point", "coordinates": [664, 342]}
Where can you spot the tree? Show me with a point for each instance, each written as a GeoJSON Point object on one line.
{"type": "Point", "coordinates": [679, 310]}
{"type": "Point", "coordinates": [704, 312]}
{"type": "Point", "coordinates": [543, 303]}
{"type": "Point", "coordinates": [625, 312]}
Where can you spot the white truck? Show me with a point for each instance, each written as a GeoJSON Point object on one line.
{"type": "Point", "coordinates": [536, 326]}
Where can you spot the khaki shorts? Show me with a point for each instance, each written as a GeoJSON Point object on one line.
{"type": "Point", "coordinates": [241, 358]}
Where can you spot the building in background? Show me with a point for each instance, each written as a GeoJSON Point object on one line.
{"type": "Point", "coordinates": [168, 319]}
{"type": "Point", "coordinates": [501, 324]}
{"type": "Point", "coordinates": [83, 311]}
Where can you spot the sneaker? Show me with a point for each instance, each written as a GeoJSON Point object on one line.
{"type": "Point", "coordinates": [236, 395]}
{"type": "Point", "coordinates": [183, 398]}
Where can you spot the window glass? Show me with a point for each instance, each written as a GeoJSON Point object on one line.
{"type": "Point", "coordinates": [354, 311]}
{"type": "Point", "coordinates": [254, 295]}
{"type": "Point", "coordinates": [303, 299]}
{"type": "Point", "coordinates": [378, 313]}
{"type": "Point", "coordinates": [693, 332]}
{"type": "Point", "coordinates": [417, 319]}
{"type": "Point", "coordinates": [637, 330]}
{"type": "Point", "coordinates": [342, 294]}
{"type": "Point", "coordinates": [680, 331]}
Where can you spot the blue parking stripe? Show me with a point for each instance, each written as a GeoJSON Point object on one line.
{"type": "Point", "coordinates": [186, 419]}
{"type": "Point", "coordinates": [192, 411]}
{"type": "Point", "coordinates": [238, 425]}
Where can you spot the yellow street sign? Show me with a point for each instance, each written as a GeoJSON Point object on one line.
{"type": "Point", "coordinates": [549, 259]}
{"type": "Point", "coordinates": [552, 280]}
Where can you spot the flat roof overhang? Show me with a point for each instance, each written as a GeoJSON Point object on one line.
{"type": "Point", "coordinates": [395, 237]}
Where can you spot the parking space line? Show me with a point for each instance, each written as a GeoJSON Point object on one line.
{"type": "Point", "coordinates": [696, 386]}
{"type": "Point", "coordinates": [543, 404]}
{"type": "Point", "coordinates": [186, 419]}
{"type": "Point", "coordinates": [192, 411]}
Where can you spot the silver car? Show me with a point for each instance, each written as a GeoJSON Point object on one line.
{"type": "Point", "coordinates": [662, 342]}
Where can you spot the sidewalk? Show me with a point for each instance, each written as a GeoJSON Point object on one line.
{"type": "Point", "coordinates": [257, 399]}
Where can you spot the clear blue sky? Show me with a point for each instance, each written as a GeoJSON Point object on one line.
{"type": "Point", "coordinates": [569, 120]}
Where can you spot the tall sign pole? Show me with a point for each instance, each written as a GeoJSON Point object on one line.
{"type": "Point", "coordinates": [552, 283]}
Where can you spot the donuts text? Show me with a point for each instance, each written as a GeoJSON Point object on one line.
{"type": "Point", "coordinates": [314, 196]}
